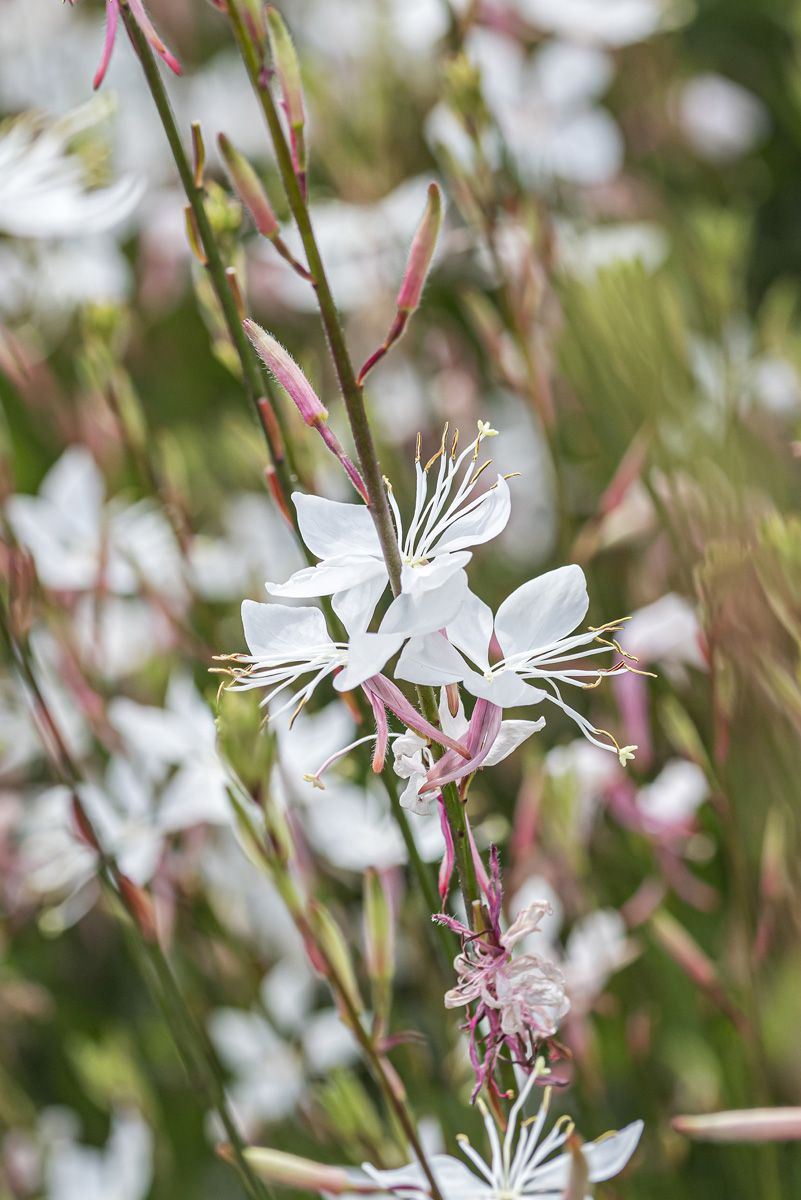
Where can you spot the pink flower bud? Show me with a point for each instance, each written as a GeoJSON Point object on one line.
{"type": "Point", "coordinates": [287, 67]}
{"type": "Point", "coordinates": [743, 1125]}
{"type": "Point", "coordinates": [379, 934]}
{"type": "Point", "coordinates": [248, 188]}
{"type": "Point", "coordinates": [139, 15]}
{"type": "Point", "coordinates": [421, 253]}
{"type": "Point", "coordinates": [287, 372]}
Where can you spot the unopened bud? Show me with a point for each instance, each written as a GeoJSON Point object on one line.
{"type": "Point", "coordinates": [379, 934]}
{"type": "Point", "coordinates": [287, 68]}
{"type": "Point", "coordinates": [248, 188]}
{"type": "Point", "coordinates": [744, 1125]}
{"type": "Point", "coordinates": [331, 941]}
{"type": "Point", "coordinates": [579, 1178]}
{"type": "Point", "coordinates": [193, 236]}
{"type": "Point", "coordinates": [287, 373]}
{"type": "Point", "coordinates": [198, 153]}
{"type": "Point", "coordinates": [421, 252]}
{"type": "Point", "coordinates": [291, 1170]}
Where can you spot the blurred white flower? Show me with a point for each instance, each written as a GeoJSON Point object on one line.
{"type": "Point", "coordinates": [666, 632]}
{"type": "Point", "coordinates": [352, 827]}
{"type": "Point", "coordinates": [178, 743]}
{"type": "Point", "coordinates": [585, 252]}
{"type": "Point", "coordinates": [720, 118]}
{"type": "Point", "coordinates": [548, 110]}
{"type": "Point", "coordinates": [80, 543]}
{"type": "Point", "coordinates": [48, 281]}
{"type": "Point", "coordinates": [671, 801]}
{"type": "Point", "coordinates": [44, 191]}
{"type": "Point", "coordinates": [116, 636]}
{"type": "Point", "coordinates": [267, 1073]}
{"type": "Point", "coordinates": [608, 23]}
{"type": "Point", "coordinates": [120, 1170]}
{"type": "Point", "coordinates": [255, 543]}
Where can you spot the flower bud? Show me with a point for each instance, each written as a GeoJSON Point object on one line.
{"type": "Point", "coordinates": [379, 934]}
{"type": "Point", "coordinates": [193, 236]}
{"type": "Point", "coordinates": [248, 188]}
{"type": "Point", "coordinates": [331, 942]}
{"type": "Point", "coordinates": [198, 154]}
{"type": "Point", "coordinates": [421, 252]}
{"type": "Point", "coordinates": [743, 1125]}
{"type": "Point", "coordinates": [287, 372]}
{"type": "Point", "coordinates": [293, 1171]}
{"type": "Point", "coordinates": [287, 67]}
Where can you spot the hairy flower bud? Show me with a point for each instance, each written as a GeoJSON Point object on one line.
{"type": "Point", "coordinates": [248, 188]}
{"type": "Point", "coordinates": [286, 371]}
{"type": "Point", "coordinates": [287, 68]}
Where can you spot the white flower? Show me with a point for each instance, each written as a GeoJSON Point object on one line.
{"type": "Point", "coordinates": [533, 631]}
{"type": "Point", "coordinates": [120, 1170]}
{"type": "Point", "coordinates": [255, 540]}
{"type": "Point", "coordinates": [671, 801]}
{"type": "Point", "coordinates": [43, 186]}
{"type": "Point", "coordinates": [520, 1165]}
{"type": "Point", "coordinates": [433, 547]}
{"type": "Point", "coordinates": [287, 644]}
{"type": "Point", "coordinates": [267, 1073]}
{"type": "Point", "coordinates": [79, 543]}
{"type": "Point", "coordinates": [179, 743]}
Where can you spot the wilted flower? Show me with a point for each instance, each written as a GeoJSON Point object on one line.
{"type": "Point", "coordinates": [515, 1002]}
{"type": "Point", "coordinates": [137, 11]}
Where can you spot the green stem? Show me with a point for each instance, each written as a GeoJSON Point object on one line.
{"type": "Point", "coordinates": [353, 396]}
{"type": "Point", "coordinates": [352, 393]}
{"type": "Point", "coordinates": [253, 381]}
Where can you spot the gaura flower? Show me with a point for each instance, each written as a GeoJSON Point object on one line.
{"type": "Point", "coordinates": [45, 191]}
{"type": "Point", "coordinates": [287, 644]}
{"type": "Point", "coordinates": [433, 547]}
{"type": "Point", "coordinates": [532, 635]}
{"type": "Point", "coordinates": [521, 1163]}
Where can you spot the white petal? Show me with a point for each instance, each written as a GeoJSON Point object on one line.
{"type": "Point", "coordinates": [430, 659]}
{"type": "Point", "coordinates": [367, 654]}
{"type": "Point", "coordinates": [471, 630]}
{"type": "Point", "coordinates": [75, 485]}
{"type": "Point", "coordinates": [608, 1156]}
{"type": "Point", "coordinates": [486, 521]}
{"type": "Point", "coordinates": [332, 575]}
{"type": "Point", "coordinates": [355, 606]}
{"type": "Point", "coordinates": [330, 528]}
{"type": "Point", "coordinates": [429, 576]}
{"type": "Point", "coordinates": [504, 689]}
{"type": "Point", "coordinates": [271, 629]}
{"type": "Point", "coordinates": [195, 795]}
{"type": "Point", "coordinates": [512, 734]}
{"type": "Point", "coordinates": [425, 611]}
{"type": "Point", "coordinates": [543, 610]}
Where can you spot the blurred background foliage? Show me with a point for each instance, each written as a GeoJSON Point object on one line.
{"type": "Point", "coordinates": [618, 291]}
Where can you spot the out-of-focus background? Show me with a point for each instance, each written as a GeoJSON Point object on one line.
{"type": "Point", "coordinates": [617, 290]}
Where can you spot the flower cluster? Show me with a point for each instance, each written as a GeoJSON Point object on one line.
{"type": "Point", "coordinates": [445, 634]}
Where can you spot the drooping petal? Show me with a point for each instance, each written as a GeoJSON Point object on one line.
{"type": "Point", "coordinates": [329, 576]}
{"type": "Point", "coordinates": [148, 29]}
{"type": "Point", "coordinates": [367, 655]}
{"type": "Point", "coordinates": [511, 735]}
{"type": "Point", "coordinates": [481, 524]}
{"type": "Point", "coordinates": [331, 528]}
{"type": "Point", "coordinates": [484, 725]}
{"type": "Point", "coordinates": [426, 610]}
{"type": "Point", "coordinates": [273, 629]}
{"type": "Point", "coordinates": [397, 703]}
{"type": "Point", "coordinates": [471, 630]}
{"type": "Point", "coordinates": [542, 611]}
